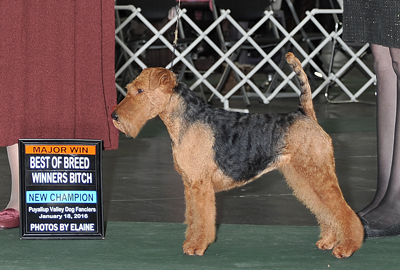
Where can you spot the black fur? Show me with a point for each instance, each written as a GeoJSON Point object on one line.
{"type": "Point", "coordinates": [245, 144]}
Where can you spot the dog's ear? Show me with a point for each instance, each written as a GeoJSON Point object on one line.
{"type": "Point", "coordinates": [162, 77]}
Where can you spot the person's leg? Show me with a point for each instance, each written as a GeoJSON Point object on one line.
{"type": "Point", "coordinates": [386, 120]}
{"type": "Point", "coordinates": [385, 218]}
{"type": "Point", "coordinates": [9, 218]}
{"type": "Point", "coordinates": [12, 152]}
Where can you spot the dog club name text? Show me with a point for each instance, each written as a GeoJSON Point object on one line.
{"type": "Point", "coordinates": [62, 227]}
{"type": "Point", "coordinates": [61, 210]}
{"type": "Point", "coordinates": [59, 213]}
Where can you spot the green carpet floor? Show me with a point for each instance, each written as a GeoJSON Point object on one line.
{"type": "Point", "coordinates": [157, 246]}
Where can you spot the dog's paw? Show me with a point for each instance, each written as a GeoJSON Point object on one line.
{"type": "Point", "coordinates": [327, 243]}
{"type": "Point", "coordinates": [191, 248]}
{"type": "Point", "coordinates": [344, 251]}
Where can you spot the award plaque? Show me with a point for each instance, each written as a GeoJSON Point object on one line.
{"type": "Point", "coordinates": [61, 189]}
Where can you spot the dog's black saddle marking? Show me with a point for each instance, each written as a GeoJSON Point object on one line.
{"type": "Point", "coordinates": [245, 144]}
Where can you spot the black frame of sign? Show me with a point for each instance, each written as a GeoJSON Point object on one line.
{"type": "Point", "coordinates": [61, 189]}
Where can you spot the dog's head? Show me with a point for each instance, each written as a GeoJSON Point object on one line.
{"type": "Point", "coordinates": [147, 96]}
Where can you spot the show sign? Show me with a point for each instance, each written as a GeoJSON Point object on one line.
{"type": "Point", "coordinates": [61, 189]}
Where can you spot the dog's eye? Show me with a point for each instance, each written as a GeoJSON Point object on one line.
{"type": "Point", "coordinates": [140, 91]}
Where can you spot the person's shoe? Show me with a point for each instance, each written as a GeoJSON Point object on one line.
{"type": "Point", "coordinates": [9, 218]}
{"type": "Point", "coordinates": [373, 233]}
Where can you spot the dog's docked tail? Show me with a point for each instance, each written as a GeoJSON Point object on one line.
{"type": "Point", "coordinates": [306, 97]}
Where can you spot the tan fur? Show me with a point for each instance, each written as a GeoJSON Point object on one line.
{"type": "Point", "coordinates": [307, 163]}
{"type": "Point", "coordinates": [310, 172]}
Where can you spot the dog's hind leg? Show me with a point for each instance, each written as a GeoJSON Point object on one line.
{"type": "Point", "coordinates": [310, 172]}
{"type": "Point", "coordinates": [340, 228]}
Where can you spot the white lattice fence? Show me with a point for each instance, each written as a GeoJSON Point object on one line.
{"type": "Point", "coordinates": [288, 38]}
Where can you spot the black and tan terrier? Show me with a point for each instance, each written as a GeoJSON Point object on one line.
{"type": "Point", "coordinates": [216, 150]}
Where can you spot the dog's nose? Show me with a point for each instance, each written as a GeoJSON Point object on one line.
{"type": "Point", "coordinates": [114, 116]}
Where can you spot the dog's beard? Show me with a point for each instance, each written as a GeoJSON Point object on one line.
{"type": "Point", "coordinates": [130, 131]}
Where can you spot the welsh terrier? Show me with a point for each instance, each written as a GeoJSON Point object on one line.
{"type": "Point", "coordinates": [216, 150]}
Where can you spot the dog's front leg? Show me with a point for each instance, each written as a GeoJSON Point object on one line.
{"type": "Point", "coordinates": [188, 210]}
{"type": "Point", "coordinates": [200, 217]}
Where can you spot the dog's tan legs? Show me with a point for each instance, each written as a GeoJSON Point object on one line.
{"type": "Point", "coordinates": [301, 189]}
{"type": "Point", "coordinates": [309, 167]}
{"type": "Point", "coordinates": [317, 188]}
{"type": "Point", "coordinates": [201, 218]}
{"type": "Point", "coordinates": [328, 238]}
{"type": "Point", "coordinates": [188, 211]}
